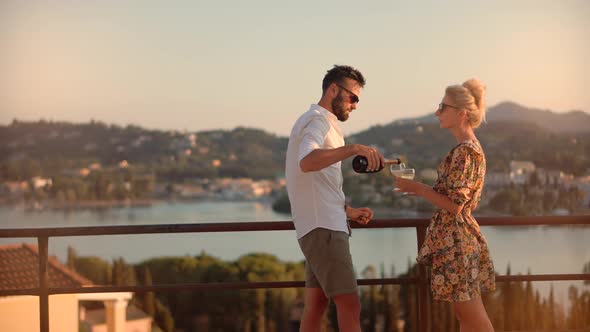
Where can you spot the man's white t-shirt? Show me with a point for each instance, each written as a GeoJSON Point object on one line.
{"type": "Point", "coordinates": [317, 199]}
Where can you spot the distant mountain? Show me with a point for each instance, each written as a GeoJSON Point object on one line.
{"type": "Point", "coordinates": [573, 121]}
{"type": "Point", "coordinates": [570, 122]}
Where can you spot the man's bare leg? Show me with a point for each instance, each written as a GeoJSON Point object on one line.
{"type": "Point", "coordinates": [315, 305]}
{"type": "Point", "coordinates": [348, 307]}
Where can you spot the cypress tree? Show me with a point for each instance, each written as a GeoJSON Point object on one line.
{"type": "Point", "coordinates": [149, 300]}
{"type": "Point", "coordinates": [538, 312]}
{"type": "Point", "coordinates": [551, 312]}
{"type": "Point", "coordinates": [507, 303]}
{"type": "Point", "coordinates": [395, 309]}
{"type": "Point", "coordinates": [529, 307]}
{"type": "Point", "coordinates": [72, 256]}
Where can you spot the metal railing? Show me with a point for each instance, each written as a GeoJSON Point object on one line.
{"type": "Point", "coordinates": [421, 280]}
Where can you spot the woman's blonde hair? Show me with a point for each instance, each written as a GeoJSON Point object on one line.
{"type": "Point", "coordinates": [470, 96]}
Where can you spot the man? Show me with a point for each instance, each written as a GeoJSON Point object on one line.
{"type": "Point", "coordinates": [314, 184]}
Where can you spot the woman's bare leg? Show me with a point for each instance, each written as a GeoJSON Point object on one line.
{"type": "Point", "coordinates": [472, 316]}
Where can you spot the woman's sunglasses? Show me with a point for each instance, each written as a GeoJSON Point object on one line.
{"type": "Point", "coordinates": [442, 106]}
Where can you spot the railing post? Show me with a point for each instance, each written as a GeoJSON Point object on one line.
{"type": "Point", "coordinates": [43, 284]}
{"type": "Point", "coordinates": [423, 299]}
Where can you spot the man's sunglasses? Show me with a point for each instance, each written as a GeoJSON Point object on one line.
{"type": "Point", "coordinates": [353, 98]}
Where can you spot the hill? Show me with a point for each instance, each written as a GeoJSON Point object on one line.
{"type": "Point", "coordinates": [513, 132]}
{"type": "Point", "coordinates": [424, 145]}
{"type": "Point", "coordinates": [48, 148]}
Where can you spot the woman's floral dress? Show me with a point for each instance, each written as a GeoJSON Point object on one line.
{"type": "Point", "coordinates": [454, 247]}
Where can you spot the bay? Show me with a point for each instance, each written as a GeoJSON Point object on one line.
{"type": "Point", "coordinates": [535, 249]}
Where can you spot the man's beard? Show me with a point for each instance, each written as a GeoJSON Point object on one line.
{"type": "Point", "coordinates": [338, 108]}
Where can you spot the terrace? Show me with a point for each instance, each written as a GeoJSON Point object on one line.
{"type": "Point", "coordinates": [424, 320]}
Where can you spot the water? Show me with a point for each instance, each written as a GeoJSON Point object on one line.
{"type": "Point", "coordinates": [539, 249]}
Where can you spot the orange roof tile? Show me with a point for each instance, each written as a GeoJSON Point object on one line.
{"type": "Point", "coordinates": [19, 269]}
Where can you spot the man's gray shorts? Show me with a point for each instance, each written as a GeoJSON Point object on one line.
{"type": "Point", "coordinates": [328, 263]}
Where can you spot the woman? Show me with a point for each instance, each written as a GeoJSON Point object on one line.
{"type": "Point", "coordinates": [454, 247]}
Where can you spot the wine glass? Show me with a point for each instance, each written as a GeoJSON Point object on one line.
{"type": "Point", "coordinates": [403, 172]}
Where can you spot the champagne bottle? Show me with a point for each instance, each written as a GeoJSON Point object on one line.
{"type": "Point", "coordinates": [360, 163]}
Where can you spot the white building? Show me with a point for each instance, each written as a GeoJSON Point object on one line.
{"type": "Point", "coordinates": [19, 266]}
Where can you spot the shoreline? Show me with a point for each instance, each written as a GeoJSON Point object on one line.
{"type": "Point", "coordinates": [80, 205]}
{"type": "Point", "coordinates": [103, 205]}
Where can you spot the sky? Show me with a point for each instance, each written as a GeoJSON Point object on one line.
{"type": "Point", "coordinates": [203, 65]}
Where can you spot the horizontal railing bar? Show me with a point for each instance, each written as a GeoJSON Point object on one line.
{"type": "Point", "coordinates": [149, 229]}
{"type": "Point", "coordinates": [387, 281]}
{"type": "Point", "coordinates": [582, 330]}
{"type": "Point", "coordinates": [544, 277]}
{"type": "Point", "coordinates": [197, 286]}
{"type": "Point", "coordinates": [213, 286]}
{"type": "Point", "coordinates": [534, 221]}
{"type": "Point", "coordinates": [271, 284]}
{"type": "Point", "coordinates": [20, 291]}
{"type": "Point", "coordinates": [271, 226]}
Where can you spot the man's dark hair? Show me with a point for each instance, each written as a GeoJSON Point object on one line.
{"type": "Point", "coordinates": [339, 73]}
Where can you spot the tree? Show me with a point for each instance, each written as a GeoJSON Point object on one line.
{"type": "Point", "coordinates": [408, 295]}
{"type": "Point", "coordinates": [149, 300]}
{"type": "Point", "coordinates": [123, 274]}
{"type": "Point", "coordinates": [369, 299]}
{"type": "Point", "coordinates": [550, 315]}
{"type": "Point", "coordinates": [258, 267]}
{"type": "Point", "coordinates": [539, 312]}
{"type": "Point", "coordinates": [506, 200]}
{"type": "Point", "coordinates": [549, 200]}
{"type": "Point", "coordinates": [507, 294]}
{"type": "Point", "coordinates": [164, 318]}
{"type": "Point", "coordinates": [586, 270]}
{"type": "Point", "coordinates": [282, 204]}
{"type": "Point", "coordinates": [72, 258]}
{"type": "Point", "coordinates": [576, 309]}
{"type": "Point", "coordinates": [534, 180]}
{"type": "Point", "coordinates": [529, 307]}
{"type": "Point", "coordinates": [94, 268]}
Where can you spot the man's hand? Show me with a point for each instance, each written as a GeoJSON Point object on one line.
{"type": "Point", "coordinates": [361, 215]}
{"type": "Point", "coordinates": [374, 157]}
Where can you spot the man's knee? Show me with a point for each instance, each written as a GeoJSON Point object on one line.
{"type": "Point", "coordinates": [319, 304]}
{"type": "Point", "coordinates": [349, 303]}
{"type": "Point", "coordinates": [316, 301]}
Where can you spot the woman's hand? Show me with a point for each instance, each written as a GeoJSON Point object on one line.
{"type": "Point", "coordinates": [361, 215]}
{"type": "Point", "coordinates": [407, 186]}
